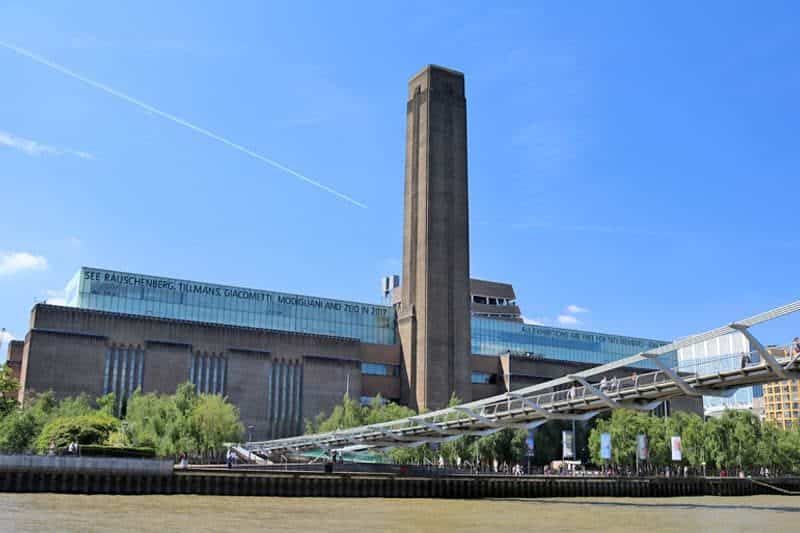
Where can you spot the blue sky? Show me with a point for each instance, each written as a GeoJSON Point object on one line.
{"type": "Point", "coordinates": [637, 161]}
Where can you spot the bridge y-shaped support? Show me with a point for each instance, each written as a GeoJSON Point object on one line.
{"type": "Point", "coordinates": [426, 424]}
{"type": "Point", "coordinates": [548, 415]}
{"type": "Point", "coordinates": [679, 381]}
{"type": "Point", "coordinates": [613, 404]}
{"type": "Point", "coordinates": [476, 416]}
{"type": "Point", "coordinates": [763, 352]}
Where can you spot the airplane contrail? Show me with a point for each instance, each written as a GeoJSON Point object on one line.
{"type": "Point", "coordinates": [178, 120]}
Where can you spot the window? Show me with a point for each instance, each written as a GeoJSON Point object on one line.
{"type": "Point", "coordinates": [492, 301]}
{"type": "Point", "coordinates": [484, 378]}
{"type": "Point", "coordinates": [377, 369]}
{"type": "Point", "coordinates": [479, 299]}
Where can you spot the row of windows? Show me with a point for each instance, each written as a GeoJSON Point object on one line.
{"type": "Point", "coordinates": [377, 369]}
{"type": "Point", "coordinates": [208, 373]}
{"type": "Point", "coordinates": [490, 300]}
{"type": "Point", "coordinates": [284, 397]}
{"type": "Point", "coordinates": [122, 374]}
{"type": "Point", "coordinates": [497, 315]}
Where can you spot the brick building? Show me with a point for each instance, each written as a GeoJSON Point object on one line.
{"type": "Point", "coordinates": [282, 358]}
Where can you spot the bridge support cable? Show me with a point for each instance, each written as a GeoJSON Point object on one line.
{"type": "Point", "coordinates": [679, 381]}
{"type": "Point", "coordinates": [763, 352]}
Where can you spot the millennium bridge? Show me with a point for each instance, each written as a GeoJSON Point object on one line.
{"type": "Point", "coordinates": [578, 396]}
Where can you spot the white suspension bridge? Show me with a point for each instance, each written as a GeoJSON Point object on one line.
{"type": "Point", "coordinates": [580, 397]}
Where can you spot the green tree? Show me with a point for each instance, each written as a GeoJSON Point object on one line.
{"type": "Point", "coordinates": [214, 422]}
{"type": "Point", "coordinates": [8, 391]}
{"type": "Point", "coordinates": [85, 429]}
{"type": "Point", "coordinates": [18, 430]}
{"type": "Point", "coordinates": [624, 426]}
{"type": "Point", "coordinates": [184, 421]}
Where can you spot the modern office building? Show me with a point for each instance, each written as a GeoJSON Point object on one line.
{"type": "Point", "coordinates": [722, 353]}
{"type": "Point", "coordinates": [282, 358]}
{"type": "Point", "coordinates": [782, 403]}
{"type": "Point", "coordinates": [781, 400]}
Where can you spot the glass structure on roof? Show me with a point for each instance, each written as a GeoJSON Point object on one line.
{"type": "Point", "coordinates": [498, 337]}
{"type": "Point", "coordinates": [136, 294]}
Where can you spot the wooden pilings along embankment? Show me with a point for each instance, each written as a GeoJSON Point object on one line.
{"type": "Point", "coordinates": [303, 484]}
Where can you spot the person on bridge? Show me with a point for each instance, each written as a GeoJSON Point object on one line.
{"type": "Point", "coordinates": [796, 347]}
{"type": "Point", "coordinates": [745, 359]}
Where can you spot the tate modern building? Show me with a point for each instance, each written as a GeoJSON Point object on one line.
{"type": "Point", "coordinates": [282, 358]}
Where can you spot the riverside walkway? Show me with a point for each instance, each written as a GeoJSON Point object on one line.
{"type": "Point", "coordinates": [578, 396]}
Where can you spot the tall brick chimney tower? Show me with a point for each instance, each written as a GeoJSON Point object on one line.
{"type": "Point", "coordinates": [434, 315]}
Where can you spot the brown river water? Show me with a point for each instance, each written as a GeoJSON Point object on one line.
{"type": "Point", "coordinates": [56, 512]}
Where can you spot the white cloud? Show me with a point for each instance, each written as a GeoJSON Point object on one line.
{"type": "Point", "coordinates": [13, 262]}
{"type": "Point", "coordinates": [35, 148]}
{"type": "Point", "coordinates": [5, 337]}
{"type": "Point", "coordinates": [567, 320]}
{"type": "Point", "coordinates": [575, 309]}
{"type": "Point", "coordinates": [535, 321]}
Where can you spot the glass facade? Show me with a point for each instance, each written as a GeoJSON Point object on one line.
{"type": "Point", "coordinates": [378, 369]}
{"type": "Point", "coordinates": [498, 337]}
{"type": "Point", "coordinates": [715, 355]}
{"type": "Point", "coordinates": [136, 294]}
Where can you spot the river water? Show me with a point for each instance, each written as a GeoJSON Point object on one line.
{"type": "Point", "coordinates": [47, 512]}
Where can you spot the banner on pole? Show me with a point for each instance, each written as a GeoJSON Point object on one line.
{"type": "Point", "coordinates": [605, 445]}
{"type": "Point", "coordinates": [567, 445]}
{"type": "Point", "coordinates": [641, 447]}
{"type": "Point", "coordinates": [676, 448]}
{"type": "Point", "coordinates": [531, 443]}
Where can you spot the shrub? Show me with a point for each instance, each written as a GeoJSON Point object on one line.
{"type": "Point", "coordinates": [85, 429]}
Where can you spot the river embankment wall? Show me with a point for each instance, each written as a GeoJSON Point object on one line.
{"type": "Point", "coordinates": [121, 476]}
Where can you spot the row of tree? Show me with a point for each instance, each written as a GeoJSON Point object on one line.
{"type": "Point", "coordinates": [506, 446]}
{"type": "Point", "coordinates": [738, 439]}
{"type": "Point", "coordinates": [199, 424]}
